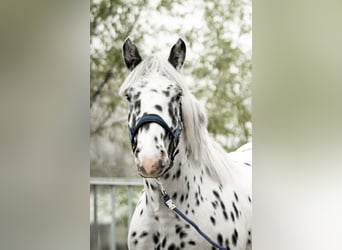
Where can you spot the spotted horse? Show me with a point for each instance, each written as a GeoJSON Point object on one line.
{"type": "Point", "coordinates": [173, 150]}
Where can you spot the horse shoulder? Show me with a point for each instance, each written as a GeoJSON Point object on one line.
{"type": "Point", "coordinates": [139, 235]}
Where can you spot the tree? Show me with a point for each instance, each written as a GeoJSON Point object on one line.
{"type": "Point", "coordinates": [219, 66]}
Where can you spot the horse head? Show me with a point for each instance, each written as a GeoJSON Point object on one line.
{"type": "Point", "coordinates": [154, 104]}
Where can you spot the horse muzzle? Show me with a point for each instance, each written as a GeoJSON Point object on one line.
{"type": "Point", "coordinates": [152, 168]}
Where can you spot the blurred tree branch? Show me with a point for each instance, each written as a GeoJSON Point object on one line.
{"type": "Point", "coordinates": [101, 126]}
{"type": "Point", "coordinates": [108, 75]}
{"type": "Point", "coordinates": [109, 72]}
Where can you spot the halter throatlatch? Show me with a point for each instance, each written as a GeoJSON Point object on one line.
{"type": "Point", "coordinates": [152, 118]}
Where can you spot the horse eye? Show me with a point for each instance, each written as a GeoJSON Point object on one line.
{"type": "Point", "coordinates": [128, 97]}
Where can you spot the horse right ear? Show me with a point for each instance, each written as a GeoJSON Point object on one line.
{"type": "Point", "coordinates": [131, 54]}
{"type": "Point", "coordinates": [177, 54]}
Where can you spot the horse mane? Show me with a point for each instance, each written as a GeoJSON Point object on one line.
{"type": "Point", "coordinates": [204, 151]}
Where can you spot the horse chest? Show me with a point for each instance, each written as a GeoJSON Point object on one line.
{"type": "Point", "coordinates": [162, 229]}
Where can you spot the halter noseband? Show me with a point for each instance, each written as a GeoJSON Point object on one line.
{"type": "Point", "coordinates": [152, 118]}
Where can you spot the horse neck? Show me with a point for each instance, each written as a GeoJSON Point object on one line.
{"type": "Point", "coordinates": [177, 181]}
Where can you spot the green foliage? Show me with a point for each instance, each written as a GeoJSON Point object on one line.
{"type": "Point", "coordinates": [228, 91]}
{"type": "Point", "coordinates": [218, 65]}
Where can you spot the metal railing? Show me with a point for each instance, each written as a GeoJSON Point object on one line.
{"type": "Point", "coordinates": [112, 183]}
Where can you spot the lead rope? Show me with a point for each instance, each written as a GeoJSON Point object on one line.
{"type": "Point", "coordinates": [169, 203]}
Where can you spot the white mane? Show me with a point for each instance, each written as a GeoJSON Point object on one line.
{"type": "Point", "coordinates": [204, 151]}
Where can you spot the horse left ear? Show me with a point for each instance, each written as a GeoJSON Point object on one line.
{"type": "Point", "coordinates": [177, 54]}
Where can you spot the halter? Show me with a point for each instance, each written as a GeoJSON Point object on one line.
{"type": "Point", "coordinates": [153, 118]}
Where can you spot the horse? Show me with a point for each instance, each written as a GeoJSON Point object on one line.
{"type": "Point", "coordinates": [174, 151]}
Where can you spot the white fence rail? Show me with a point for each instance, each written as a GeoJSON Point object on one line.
{"type": "Point", "coordinates": [112, 183]}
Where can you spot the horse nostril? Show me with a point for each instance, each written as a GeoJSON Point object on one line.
{"type": "Point", "coordinates": [162, 152]}
{"type": "Point", "coordinates": [137, 151]}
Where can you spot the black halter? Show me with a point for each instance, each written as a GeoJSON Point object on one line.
{"type": "Point", "coordinates": [152, 118]}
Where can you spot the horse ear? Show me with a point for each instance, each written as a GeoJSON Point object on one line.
{"type": "Point", "coordinates": [177, 54]}
{"type": "Point", "coordinates": [131, 54]}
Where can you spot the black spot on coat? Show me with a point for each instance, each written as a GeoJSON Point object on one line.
{"type": "Point", "coordinates": [158, 107]}
{"type": "Point", "coordinates": [212, 219]}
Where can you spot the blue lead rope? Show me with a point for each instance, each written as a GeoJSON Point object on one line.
{"type": "Point", "coordinates": [168, 202]}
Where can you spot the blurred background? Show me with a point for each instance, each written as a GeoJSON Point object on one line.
{"type": "Point", "coordinates": [217, 70]}
{"type": "Point", "coordinates": [44, 135]}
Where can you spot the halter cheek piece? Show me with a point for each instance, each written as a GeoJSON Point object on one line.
{"type": "Point", "coordinates": [152, 118]}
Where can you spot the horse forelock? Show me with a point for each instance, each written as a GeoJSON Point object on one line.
{"type": "Point", "coordinates": [152, 65]}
